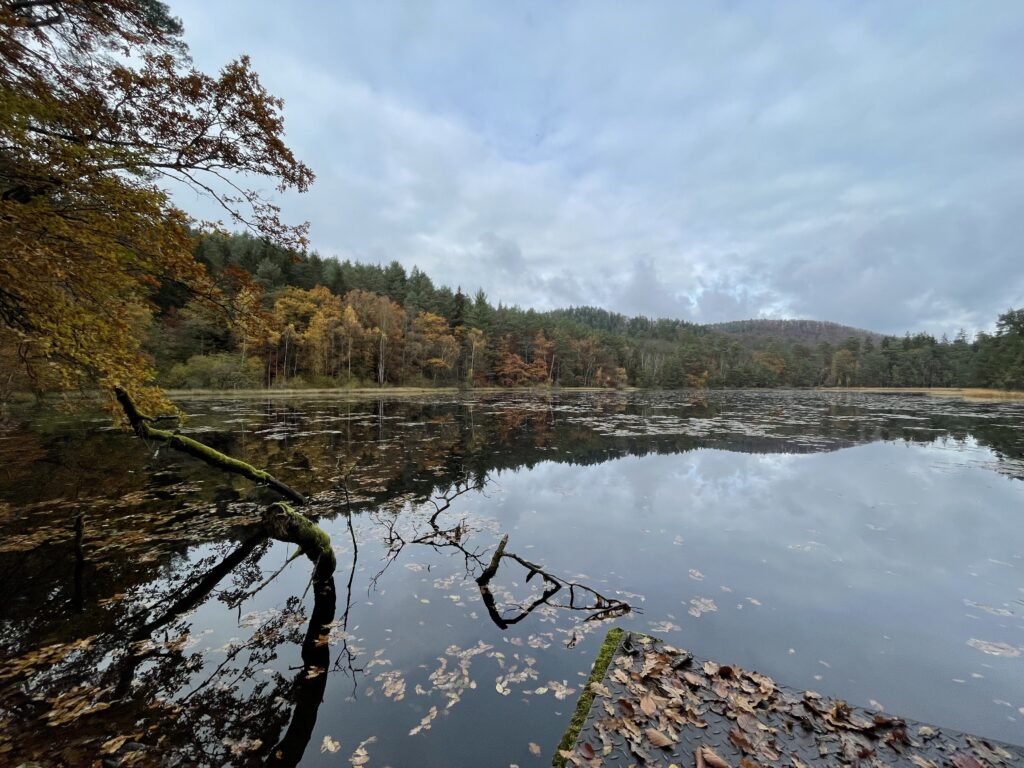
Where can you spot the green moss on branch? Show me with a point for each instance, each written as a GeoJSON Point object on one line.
{"type": "Point", "coordinates": [597, 673]}
{"type": "Point", "coordinates": [140, 423]}
{"type": "Point", "coordinates": [285, 524]}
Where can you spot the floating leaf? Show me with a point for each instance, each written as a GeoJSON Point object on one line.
{"type": "Point", "coordinates": [702, 605]}
{"type": "Point", "coordinates": [361, 756]}
{"type": "Point", "coordinates": [664, 626]}
{"type": "Point", "coordinates": [425, 722]}
{"type": "Point", "coordinates": [993, 649]}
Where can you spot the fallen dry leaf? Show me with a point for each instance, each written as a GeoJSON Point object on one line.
{"type": "Point", "coordinates": [658, 739]}
{"type": "Point", "coordinates": [647, 705]}
{"type": "Point", "coordinates": [693, 679]}
{"type": "Point", "coordinates": [114, 744]}
{"type": "Point", "coordinates": [712, 758]}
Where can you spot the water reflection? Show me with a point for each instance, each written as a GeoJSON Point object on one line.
{"type": "Point", "coordinates": [852, 544]}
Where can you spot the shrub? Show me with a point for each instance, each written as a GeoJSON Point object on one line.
{"type": "Point", "coordinates": [219, 371]}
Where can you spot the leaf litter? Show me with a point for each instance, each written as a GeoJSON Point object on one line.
{"type": "Point", "coordinates": [662, 708]}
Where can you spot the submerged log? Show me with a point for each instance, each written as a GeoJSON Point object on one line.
{"type": "Point", "coordinates": [140, 424]}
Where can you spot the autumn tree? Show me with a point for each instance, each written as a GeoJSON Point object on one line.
{"type": "Point", "coordinates": [542, 358]}
{"type": "Point", "coordinates": [350, 333]}
{"type": "Point", "coordinates": [475, 343]}
{"type": "Point", "coordinates": [437, 347]}
{"type": "Point", "coordinates": [509, 367]}
{"type": "Point", "coordinates": [322, 336]}
{"type": "Point", "coordinates": [101, 113]}
{"type": "Point", "coordinates": [383, 321]}
{"type": "Point", "coordinates": [587, 353]}
{"type": "Point", "coordinates": [844, 367]}
{"type": "Point", "coordinates": [307, 325]}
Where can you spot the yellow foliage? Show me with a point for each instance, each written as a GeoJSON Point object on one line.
{"type": "Point", "coordinates": [88, 142]}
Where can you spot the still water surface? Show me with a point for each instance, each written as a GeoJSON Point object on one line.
{"type": "Point", "coordinates": [864, 546]}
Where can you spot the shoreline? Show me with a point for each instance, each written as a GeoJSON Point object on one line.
{"type": "Point", "coordinates": [968, 393]}
{"type": "Point", "coordinates": [379, 391]}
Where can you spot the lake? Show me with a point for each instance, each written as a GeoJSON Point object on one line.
{"type": "Point", "coordinates": [869, 547]}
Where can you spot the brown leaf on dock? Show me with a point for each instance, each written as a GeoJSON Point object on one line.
{"type": "Point", "coordinates": [693, 679]}
{"type": "Point", "coordinates": [657, 738]}
{"type": "Point", "coordinates": [706, 756]}
{"type": "Point", "coordinates": [647, 705]}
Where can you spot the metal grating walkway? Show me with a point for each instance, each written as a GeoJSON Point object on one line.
{"type": "Point", "coordinates": [656, 705]}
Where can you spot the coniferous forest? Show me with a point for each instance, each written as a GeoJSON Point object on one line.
{"type": "Point", "coordinates": [329, 323]}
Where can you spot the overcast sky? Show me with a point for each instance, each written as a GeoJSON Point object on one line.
{"type": "Point", "coordinates": [861, 162]}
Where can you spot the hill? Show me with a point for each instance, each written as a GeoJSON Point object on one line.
{"type": "Point", "coordinates": [811, 332]}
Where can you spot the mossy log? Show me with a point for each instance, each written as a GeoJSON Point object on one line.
{"type": "Point", "coordinates": [280, 521]}
{"type": "Point", "coordinates": [140, 423]}
{"type": "Point", "coordinates": [285, 524]}
{"type": "Point", "coordinates": [579, 716]}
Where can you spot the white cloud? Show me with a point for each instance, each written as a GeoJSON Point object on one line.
{"type": "Point", "coordinates": [705, 160]}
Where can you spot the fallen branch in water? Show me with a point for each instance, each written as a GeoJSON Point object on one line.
{"type": "Point", "coordinates": [492, 567]}
{"type": "Point", "coordinates": [140, 424]}
{"type": "Point", "coordinates": [580, 596]}
{"type": "Point", "coordinates": [280, 521]}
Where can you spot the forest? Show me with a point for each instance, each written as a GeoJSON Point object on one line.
{"type": "Point", "coordinates": [320, 322]}
{"type": "Point", "coordinates": [106, 282]}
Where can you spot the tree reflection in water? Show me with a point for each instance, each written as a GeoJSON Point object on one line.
{"type": "Point", "coordinates": [143, 695]}
{"type": "Point", "coordinates": [482, 570]}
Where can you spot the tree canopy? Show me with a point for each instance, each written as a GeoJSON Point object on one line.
{"type": "Point", "coordinates": [101, 113]}
{"type": "Point", "coordinates": [329, 323]}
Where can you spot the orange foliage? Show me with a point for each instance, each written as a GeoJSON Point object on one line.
{"type": "Point", "coordinates": [100, 109]}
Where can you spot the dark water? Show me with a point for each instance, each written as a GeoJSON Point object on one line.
{"type": "Point", "coordinates": [867, 547]}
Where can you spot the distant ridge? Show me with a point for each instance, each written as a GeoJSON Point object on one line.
{"type": "Point", "coordinates": [804, 331]}
{"type": "Point", "coordinates": [752, 333]}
